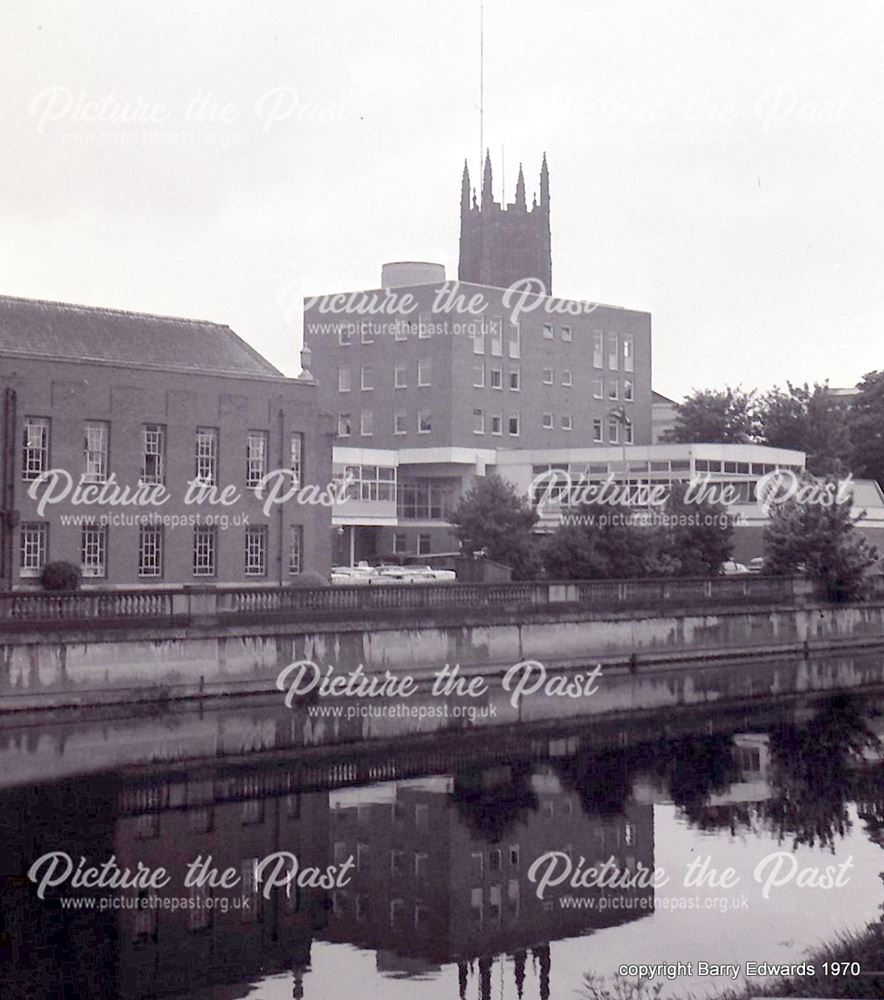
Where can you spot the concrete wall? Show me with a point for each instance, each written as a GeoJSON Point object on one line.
{"type": "Point", "coordinates": [81, 667]}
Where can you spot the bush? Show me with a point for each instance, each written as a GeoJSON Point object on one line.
{"type": "Point", "coordinates": [309, 578]}
{"type": "Point", "coordinates": [60, 575]}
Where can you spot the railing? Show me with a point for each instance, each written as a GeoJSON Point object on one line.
{"type": "Point", "coordinates": [242, 603]}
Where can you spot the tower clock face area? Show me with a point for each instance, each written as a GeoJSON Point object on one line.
{"type": "Point", "coordinates": [502, 244]}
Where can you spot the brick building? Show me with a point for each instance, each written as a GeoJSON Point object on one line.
{"type": "Point", "coordinates": [123, 402]}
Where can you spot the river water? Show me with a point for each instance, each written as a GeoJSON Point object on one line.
{"type": "Point", "coordinates": [726, 837]}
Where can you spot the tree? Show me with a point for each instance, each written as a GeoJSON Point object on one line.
{"type": "Point", "coordinates": [866, 421]}
{"type": "Point", "coordinates": [808, 420]}
{"type": "Point", "coordinates": [60, 575]}
{"type": "Point", "coordinates": [817, 531]}
{"type": "Point", "coordinates": [697, 536]}
{"type": "Point", "coordinates": [599, 542]}
{"type": "Point", "coordinates": [715, 416]}
{"type": "Point", "coordinates": [494, 518]}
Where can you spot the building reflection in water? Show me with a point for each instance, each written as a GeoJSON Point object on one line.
{"type": "Point", "coordinates": [441, 866]}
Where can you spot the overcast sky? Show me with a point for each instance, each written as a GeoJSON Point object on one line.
{"type": "Point", "coordinates": [719, 163]}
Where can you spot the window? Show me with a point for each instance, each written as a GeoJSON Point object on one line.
{"type": "Point", "coordinates": [424, 548]}
{"type": "Point", "coordinates": [515, 341]}
{"type": "Point", "coordinates": [425, 498]}
{"type": "Point", "coordinates": [598, 350]}
{"type": "Point", "coordinates": [597, 430]}
{"type": "Point", "coordinates": [598, 389]}
{"type": "Point", "coordinates": [206, 455]}
{"type": "Point", "coordinates": [365, 329]}
{"type": "Point", "coordinates": [399, 422]}
{"type": "Point", "coordinates": [344, 380]}
{"type": "Point", "coordinates": [33, 545]}
{"type": "Point", "coordinates": [150, 550]}
{"type": "Point", "coordinates": [627, 432]}
{"type": "Point", "coordinates": [345, 334]}
{"type": "Point", "coordinates": [345, 425]}
{"type": "Point", "coordinates": [613, 352]}
{"type": "Point", "coordinates": [614, 431]}
{"type": "Point", "coordinates": [627, 390]}
{"type": "Point", "coordinates": [366, 423]}
{"type": "Point", "coordinates": [95, 438]}
{"type": "Point", "coordinates": [424, 327]}
{"type": "Point", "coordinates": [628, 353]}
{"type": "Point", "coordinates": [35, 453]}
{"type": "Point", "coordinates": [399, 376]}
{"type": "Point", "coordinates": [204, 550]}
{"type": "Point", "coordinates": [515, 379]}
{"type": "Point", "coordinates": [400, 542]}
{"type": "Point", "coordinates": [496, 423]}
{"type": "Point", "coordinates": [566, 377]}
{"type": "Point", "coordinates": [256, 550]}
{"type": "Point", "coordinates": [548, 332]}
{"type": "Point", "coordinates": [495, 377]}
{"type": "Point", "coordinates": [567, 422]}
{"type": "Point", "coordinates": [613, 389]}
{"type": "Point", "coordinates": [548, 376]}
{"type": "Point", "coordinates": [153, 453]}
{"type": "Point", "coordinates": [495, 328]}
{"type": "Point", "coordinates": [93, 550]}
{"type": "Point", "coordinates": [367, 378]}
{"type": "Point", "coordinates": [400, 329]}
{"type": "Point", "coordinates": [296, 549]}
{"type": "Point", "coordinates": [513, 424]}
{"type": "Point", "coordinates": [548, 421]}
{"type": "Point", "coordinates": [478, 421]}
{"type": "Point", "coordinates": [424, 373]}
{"type": "Point", "coordinates": [256, 457]}
{"type": "Point", "coordinates": [566, 333]}
{"type": "Point", "coordinates": [296, 457]}
{"type": "Point", "coordinates": [424, 422]}
{"type": "Point", "coordinates": [479, 376]}
{"type": "Point", "coordinates": [479, 339]}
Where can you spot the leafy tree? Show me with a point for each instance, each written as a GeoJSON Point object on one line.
{"type": "Point", "coordinates": [697, 537]}
{"type": "Point", "coordinates": [808, 420]}
{"type": "Point", "coordinates": [819, 533]}
{"type": "Point", "coordinates": [600, 542]}
{"type": "Point", "coordinates": [60, 575]}
{"type": "Point", "coordinates": [492, 516]}
{"type": "Point", "coordinates": [866, 420]}
{"type": "Point", "coordinates": [715, 416]}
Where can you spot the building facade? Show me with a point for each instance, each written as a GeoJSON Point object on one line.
{"type": "Point", "coordinates": [105, 413]}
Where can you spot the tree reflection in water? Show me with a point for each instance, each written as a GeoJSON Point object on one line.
{"type": "Point", "coordinates": [492, 802]}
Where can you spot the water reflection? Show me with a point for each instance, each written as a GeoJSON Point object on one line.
{"type": "Point", "coordinates": [440, 894]}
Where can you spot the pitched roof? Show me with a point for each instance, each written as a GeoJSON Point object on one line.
{"type": "Point", "coordinates": [31, 328]}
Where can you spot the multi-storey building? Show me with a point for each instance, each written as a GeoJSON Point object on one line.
{"type": "Point", "coordinates": [107, 412]}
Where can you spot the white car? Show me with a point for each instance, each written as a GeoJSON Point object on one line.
{"type": "Point", "coordinates": [435, 574]}
{"type": "Point", "coordinates": [733, 568]}
{"type": "Point", "coordinates": [351, 575]}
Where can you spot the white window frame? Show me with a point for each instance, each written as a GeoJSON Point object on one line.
{"type": "Point", "coordinates": [33, 546]}
{"type": "Point", "coordinates": [421, 414]}
{"type": "Point", "coordinates": [509, 421]}
{"type": "Point", "coordinates": [567, 377]}
{"type": "Point", "coordinates": [35, 447]}
{"type": "Point", "coordinates": [598, 430]}
{"type": "Point", "coordinates": [495, 333]}
{"type": "Point", "coordinates": [403, 414]}
{"type": "Point", "coordinates": [365, 334]}
{"type": "Point", "coordinates": [366, 378]}
{"type": "Point", "coordinates": [345, 334]}
{"type": "Point", "coordinates": [478, 421]}
{"type": "Point", "coordinates": [517, 371]}
{"type": "Point", "coordinates": [150, 550]}
{"type": "Point", "coordinates": [206, 455]}
{"type": "Point", "coordinates": [400, 376]}
{"type": "Point", "coordinates": [345, 419]}
{"type": "Point", "coordinates": [205, 550]}
{"type": "Point", "coordinates": [424, 373]}
{"type": "Point", "coordinates": [424, 328]}
{"type": "Point", "coordinates": [96, 444]}
{"type": "Point", "coordinates": [567, 422]}
{"type": "Point", "coordinates": [257, 446]}
{"type": "Point", "coordinates": [93, 552]}
{"type": "Point", "coordinates": [296, 457]}
{"type": "Point", "coordinates": [366, 423]}
{"type": "Point", "coordinates": [547, 421]}
{"type": "Point", "coordinates": [612, 350]}
{"type": "Point", "coordinates": [498, 419]}
{"type": "Point", "coordinates": [255, 556]}
{"type": "Point", "coordinates": [598, 388]}
{"type": "Point", "coordinates": [515, 342]}
{"type": "Point", "coordinates": [567, 335]}
{"type": "Point", "coordinates": [628, 390]}
{"type": "Point", "coordinates": [598, 349]}
{"type": "Point", "coordinates": [549, 331]}
{"type": "Point", "coordinates": [495, 370]}
{"type": "Point", "coordinates": [549, 376]}
{"type": "Point", "coordinates": [345, 378]}
{"type": "Point", "coordinates": [479, 376]}
{"type": "Point", "coordinates": [628, 352]}
{"type": "Point", "coordinates": [153, 446]}
{"type": "Point", "coordinates": [296, 549]}
{"type": "Point", "coordinates": [614, 383]}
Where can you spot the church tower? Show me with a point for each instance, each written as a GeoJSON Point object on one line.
{"type": "Point", "coordinates": [503, 244]}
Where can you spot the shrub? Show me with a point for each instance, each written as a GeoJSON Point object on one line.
{"type": "Point", "coordinates": [309, 578]}
{"type": "Point", "coordinates": [60, 575]}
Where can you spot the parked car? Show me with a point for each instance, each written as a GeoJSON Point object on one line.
{"type": "Point", "coordinates": [351, 575]}
{"type": "Point", "coordinates": [436, 574]}
{"type": "Point", "coordinates": [733, 568]}
{"type": "Point", "coordinates": [756, 565]}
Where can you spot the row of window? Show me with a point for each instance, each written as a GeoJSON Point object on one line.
{"type": "Point", "coordinates": [34, 545]}
{"type": "Point", "coordinates": [610, 349]}
{"type": "Point", "coordinates": [400, 423]}
{"type": "Point", "coordinates": [36, 448]}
